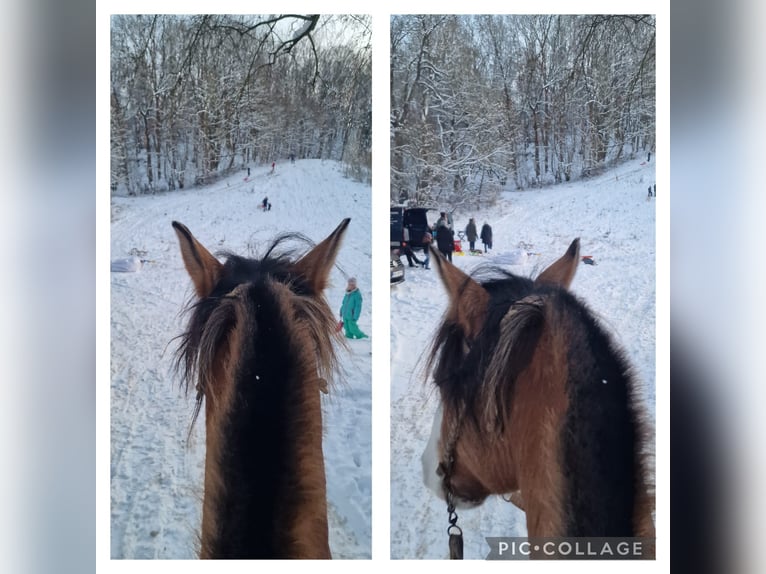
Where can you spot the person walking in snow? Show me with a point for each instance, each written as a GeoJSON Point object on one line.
{"type": "Point", "coordinates": [350, 310]}
{"type": "Point", "coordinates": [427, 238]}
{"type": "Point", "coordinates": [486, 236]}
{"type": "Point", "coordinates": [470, 234]}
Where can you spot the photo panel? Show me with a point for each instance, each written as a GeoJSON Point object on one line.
{"type": "Point", "coordinates": [523, 286]}
{"type": "Point", "coordinates": [241, 286]}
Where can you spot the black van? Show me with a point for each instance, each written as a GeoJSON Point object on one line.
{"type": "Point", "coordinates": [408, 226]}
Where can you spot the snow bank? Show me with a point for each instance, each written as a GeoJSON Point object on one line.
{"type": "Point", "coordinates": [126, 265]}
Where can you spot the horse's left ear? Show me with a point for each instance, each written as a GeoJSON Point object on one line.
{"type": "Point", "coordinates": [203, 268]}
{"type": "Point", "coordinates": [468, 299]}
{"type": "Point", "coordinates": [315, 266]}
{"type": "Point", "coordinates": [562, 271]}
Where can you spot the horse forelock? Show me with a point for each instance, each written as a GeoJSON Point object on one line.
{"type": "Point", "coordinates": [477, 373]}
{"type": "Point", "coordinates": [212, 317]}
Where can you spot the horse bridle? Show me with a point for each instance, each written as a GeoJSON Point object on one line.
{"type": "Point", "coordinates": [445, 470]}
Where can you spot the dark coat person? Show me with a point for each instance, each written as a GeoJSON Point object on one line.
{"type": "Point", "coordinates": [486, 236]}
{"type": "Point", "coordinates": [470, 233]}
{"type": "Point", "coordinates": [445, 241]}
{"type": "Point", "coordinates": [443, 221]}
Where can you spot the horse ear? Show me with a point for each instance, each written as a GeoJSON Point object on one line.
{"type": "Point", "coordinates": [203, 268]}
{"type": "Point", "coordinates": [315, 266]}
{"type": "Point", "coordinates": [468, 299]}
{"type": "Point", "coordinates": [562, 271]}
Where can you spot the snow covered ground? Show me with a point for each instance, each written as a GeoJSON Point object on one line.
{"type": "Point", "coordinates": [616, 224]}
{"type": "Point", "coordinates": [156, 478]}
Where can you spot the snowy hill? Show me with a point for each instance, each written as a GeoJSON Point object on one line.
{"type": "Point", "coordinates": [156, 478]}
{"type": "Point", "coordinates": [616, 224]}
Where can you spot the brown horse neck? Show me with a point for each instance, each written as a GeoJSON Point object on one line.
{"type": "Point", "coordinates": [265, 491]}
{"type": "Point", "coordinates": [303, 516]}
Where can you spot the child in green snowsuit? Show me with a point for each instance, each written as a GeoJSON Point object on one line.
{"type": "Point", "coordinates": [350, 310]}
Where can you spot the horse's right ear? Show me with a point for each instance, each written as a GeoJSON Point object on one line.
{"type": "Point", "coordinates": [315, 266]}
{"type": "Point", "coordinates": [468, 299]}
{"type": "Point", "coordinates": [203, 268]}
{"type": "Point", "coordinates": [562, 271]}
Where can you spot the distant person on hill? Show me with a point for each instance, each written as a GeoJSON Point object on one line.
{"type": "Point", "coordinates": [486, 236]}
{"type": "Point", "coordinates": [273, 165]}
{"type": "Point", "coordinates": [292, 158]}
{"type": "Point", "coordinates": [350, 310]}
{"type": "Point", "coordinates": [470, 234]}
{"type": "Point", "coordinates": [445, 241]}
{"type": "Point", "coordinates": [265, 203]}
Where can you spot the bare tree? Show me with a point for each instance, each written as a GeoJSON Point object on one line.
{"type": "Point", "coordinates": [197, 97]}
{"type": "Point", "coordinates": [483, 102]}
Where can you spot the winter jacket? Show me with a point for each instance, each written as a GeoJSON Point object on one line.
{"type": "Point", "coordinates": [486, 234]}
{"type": "Point", "coordinates": [445, 239]}
{"type": "Point", "coordinates": [351, 307]}
{"type": "Point", "coordinates": [470, 231]}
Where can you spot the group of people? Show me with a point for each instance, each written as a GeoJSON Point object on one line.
{"type": "Point", "coordinates": [445, 240]}
{"type": "Point", "coordinates": [485, 235]}
{"type": "Point", "coordinates": [445, 236]}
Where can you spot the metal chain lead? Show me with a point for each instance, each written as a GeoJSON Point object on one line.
{"type": "Point", "coordinates": [453, 530]}
{"type": "Point", "coordinates": [455, 533]}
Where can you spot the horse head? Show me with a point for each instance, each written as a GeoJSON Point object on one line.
{"type": "Point", "coordinates": [259, 349]}
{"type": "Point", "coordinates": [538, 401]}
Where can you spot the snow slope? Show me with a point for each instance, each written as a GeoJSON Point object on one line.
{"type": "Point", "coordinates": [616, 224]}
{"type": "Point", "coordinates": [156, 478]}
